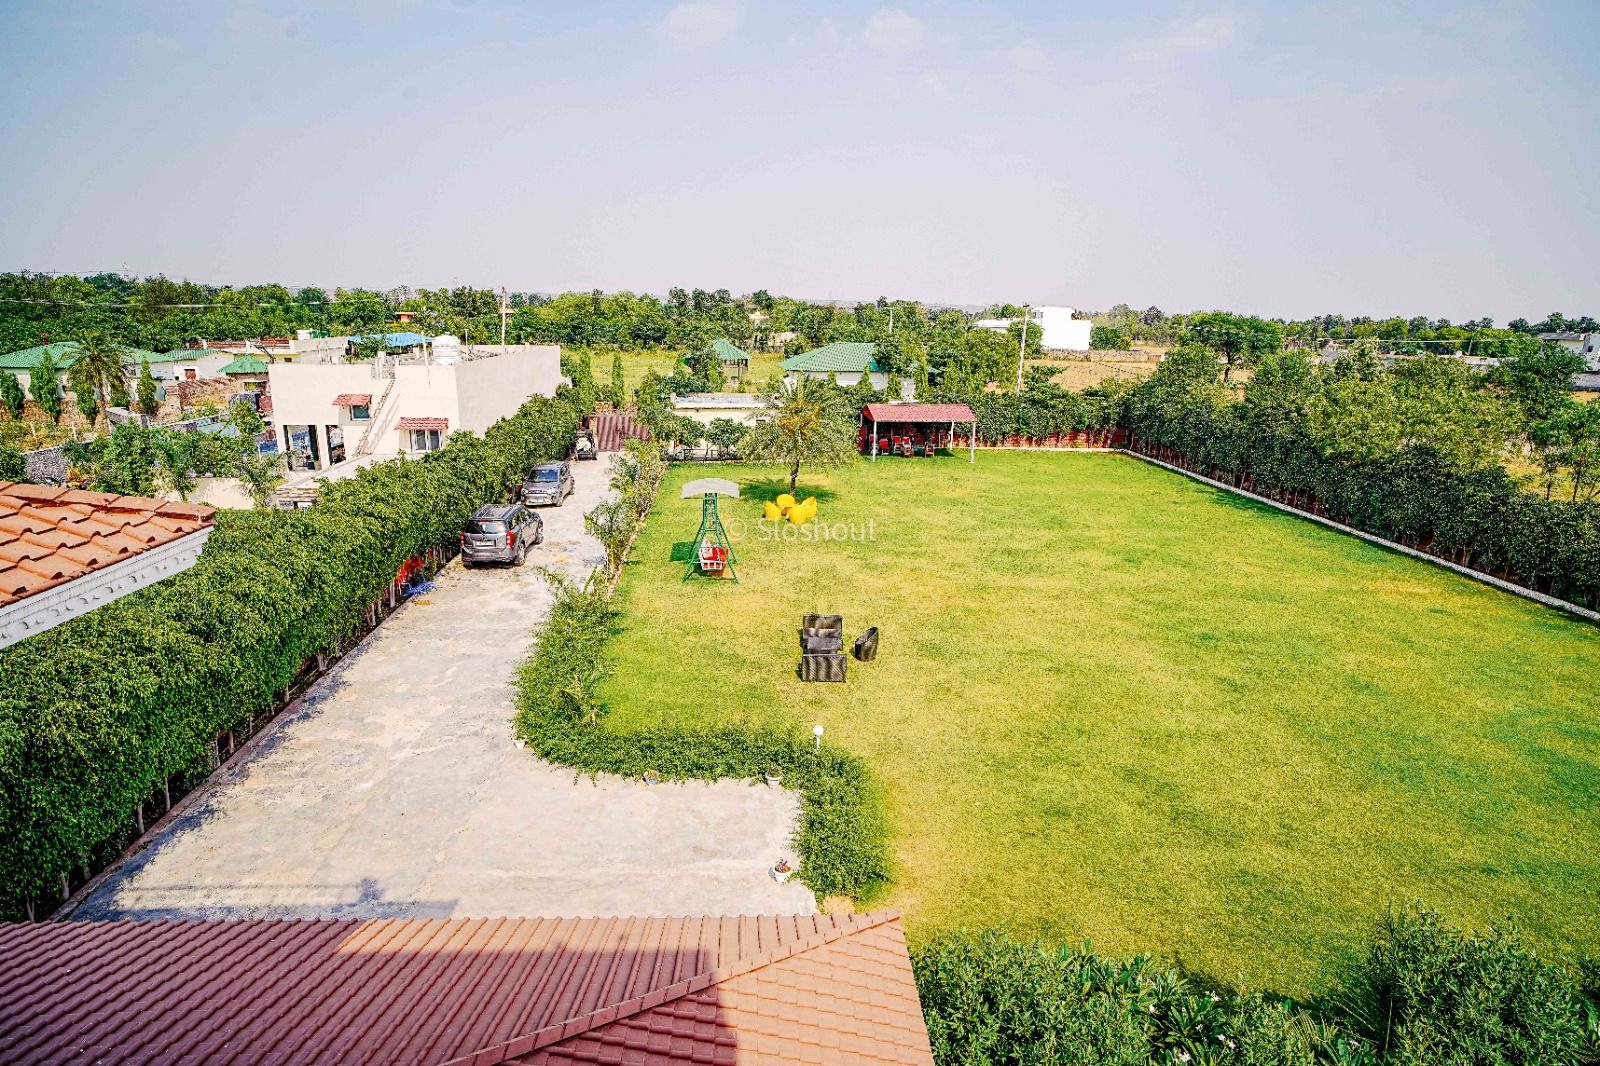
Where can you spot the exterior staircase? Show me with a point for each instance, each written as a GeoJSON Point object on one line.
{"type": "Point", "coordinates": [375, 416]}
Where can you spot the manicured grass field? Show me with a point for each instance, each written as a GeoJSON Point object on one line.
{"type": "Point", "coordinates": [1112, 703]}
{"type": "Point", "coordinates": [635, 362]}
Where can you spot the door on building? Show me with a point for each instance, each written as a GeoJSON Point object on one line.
{"type": "Point", "coordinates": [300, 445]}
{"type": "Point", "coordinates": [335, 445]}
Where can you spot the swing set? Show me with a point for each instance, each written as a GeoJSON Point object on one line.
{"type": "Point", "coordinates": [711, 555]}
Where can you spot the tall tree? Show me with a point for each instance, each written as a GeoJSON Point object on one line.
{"type": "Point", "coordinates": [619, 390]}
{"type": "Point", "coordinates": [147, 389]}
{"type": "Point", "coordinates": [809, 425]}
{"type": "Point", "coordinates": [44, 386]}
{"type": "Point", "coordinates": [1238, 340]}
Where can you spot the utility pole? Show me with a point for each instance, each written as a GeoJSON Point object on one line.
{"type": "Point", "coordinates": [1022, 346]}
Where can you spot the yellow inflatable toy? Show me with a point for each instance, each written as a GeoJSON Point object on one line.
{"type": "Point", "coordinates": [786, 507]}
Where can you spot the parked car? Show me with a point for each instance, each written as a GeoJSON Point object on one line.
{"type": "Point", "coordinates": [583, 446]}
{"type": "Point", "coordinates": [500, 533]}
{"type": "Point", "coordinates": [549, 484]}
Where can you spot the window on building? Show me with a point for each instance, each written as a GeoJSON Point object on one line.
{"type": "Point", "coordinates": [425, 440]}
{"type": "Point", "coordinates": [359, 412]}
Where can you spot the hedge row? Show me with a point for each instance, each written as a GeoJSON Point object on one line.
{"type": "Point", "coordinates": [1424, 995]}
{"type": "Point", "coordinates": [96, 713]}
{"type": "Point", "coordinates": [1479, 518]}
{"type": "Point", "coordinates": [843, 837]}
{"type": "Point", "coordinates": [1043, 411]}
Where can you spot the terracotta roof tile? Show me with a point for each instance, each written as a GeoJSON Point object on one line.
{"type": "Point", "coordinates": [353, 399]}
{"type": "Point", "coordinates": [606, 990]}
{"type": "Point", "coordinates": [919, 412]}
{"type": "Point", "coordinates": [52, 535]}
{"type": "Point", "coordinates": [422, 423]}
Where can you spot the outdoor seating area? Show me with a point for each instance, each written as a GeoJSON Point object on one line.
{"type": "Point", "coordinates": [916, 429]}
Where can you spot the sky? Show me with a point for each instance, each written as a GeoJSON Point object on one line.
{"type": "Point", "coordinates": [1280, 158]}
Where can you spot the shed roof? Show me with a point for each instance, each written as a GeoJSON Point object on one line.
{"type": "Point", "coordinates": [245, 364]}
{"type": "Point", "coordinates": [919, 412]}
{"type": "Point", "coordinates": [838, 357]}
{"type": "Point", "coordinates": [353, 399]}
{"type": "Point", "coordinates": [657, 991]}
{"type": "Point", "coordinates": [728, 352]}
{"type": "Point", "coordinates": [51, 535]}
{"type": "Point", "coordinates": [66, 352]}
{"type": "Point", "coordinates": [423, 423]}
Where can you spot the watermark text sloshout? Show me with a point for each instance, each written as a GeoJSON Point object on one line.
{"type": "Point", "coordinates": [814, 532]}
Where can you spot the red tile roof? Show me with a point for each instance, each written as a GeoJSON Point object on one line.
{"type": "Point", "coordinates": [423, 423]}
{"type": "Point", "coordinates": [920, 412]}
{"type": "Point", "coordinates": [652, 991]}
{"type": "Point", "coordinates": [353, 399]}
{"type": "Point", "coordinates": [48, 536]}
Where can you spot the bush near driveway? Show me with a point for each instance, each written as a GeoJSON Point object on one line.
{"type": "Point", "coordinates": [96, 713]}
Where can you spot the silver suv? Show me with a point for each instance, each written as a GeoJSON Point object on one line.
{"type": "Point", "coordinates": [549, 484]}
{"type": "Point", "coordinates": [500, 533]}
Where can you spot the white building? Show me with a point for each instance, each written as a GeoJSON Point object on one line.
{"type": "Point", "coordinates": [707, 407]}
{"type": "Point", "coordinates": [1584, 344]}
{"type": "Point", "coordinates": [328, 413]}
{"type": "Point", "coordinates": [1060, 330]}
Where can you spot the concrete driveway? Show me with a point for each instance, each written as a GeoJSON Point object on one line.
{"type": "Point", "coordinates": [394, 788]}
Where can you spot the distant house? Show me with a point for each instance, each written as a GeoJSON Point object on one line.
{"type": "Point", "coordinates": [1059, 327]}
{"type": "Point", "coordinates": [707, 407]}
{"type": "Point", "coordinates": [246, 367]}
{"type": "Point", "coordinates": [735, 360]}
{"type": "Point", "coordinates": [846, 362]}
{"type": "Point", "coordinates": [1584, 344]}
{"type": "Point", "coordinates": [64, 552]}
{"type": "Point", "coordinates": [777, 991]}
{"type": "Point", "coordinates": [183, 364]}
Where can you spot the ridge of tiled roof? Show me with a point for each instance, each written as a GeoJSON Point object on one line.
{"type": "Point", "coordinates": [575, 1027]}
{"type": "Point", "coordinates": [482, 991]}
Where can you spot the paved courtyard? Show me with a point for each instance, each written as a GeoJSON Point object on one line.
{"type": "Point", "coordinates": [395, 788]}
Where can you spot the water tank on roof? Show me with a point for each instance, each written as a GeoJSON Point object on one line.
{"type": "Point", "coordinates": [446, 348]}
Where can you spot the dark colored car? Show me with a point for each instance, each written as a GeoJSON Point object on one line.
{"type": "Point", "coordinates": [549, 485]}
{"type": "Point", "coordinates": [500, 533]}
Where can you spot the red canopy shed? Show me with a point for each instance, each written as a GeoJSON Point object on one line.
{"type": "Point", "coordinates": [916, 428]}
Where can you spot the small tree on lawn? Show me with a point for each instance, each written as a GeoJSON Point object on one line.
{"type": "Point", "coordinates": [11, 393]}
{"type": "Point", "coordinates": [147, 389]}
{"type": "Point", "coordinates": [44, 388]}
{"type": "Point", "coordinates": [611, 523]}
{"type": "Point", "coordinates": [809, 425]}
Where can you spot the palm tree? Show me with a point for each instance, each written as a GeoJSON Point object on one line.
{"type": "Point", "coordinates": [808, 423]}
{"type": "Point", "coordinates": [261, 475]}
{"type": "Point", "coordinates": [97, 365]}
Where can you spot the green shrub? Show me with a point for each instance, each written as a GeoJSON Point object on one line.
{"type": "Point", "coordinates": [1433, 994]}
{"type": "Point", "coordinates": [1110, 338]}
{"type": "Point", "coordinates": [97, 712]}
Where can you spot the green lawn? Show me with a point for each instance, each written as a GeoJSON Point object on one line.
{"type": "Point", "coordinates": [1113, 703]}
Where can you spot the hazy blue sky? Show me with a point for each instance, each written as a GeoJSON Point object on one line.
{"type": "Point", "coordinates": [1281, 158]}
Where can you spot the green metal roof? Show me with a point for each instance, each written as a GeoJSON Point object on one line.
{"type": "Point", "coordinates": [729, 352]}
{"type": "Point", "coordinates": [245, 364]}
{"type": "Point", "coordinates": [65, 352]}
{"type": "Point", "coordinates": [838, 357]}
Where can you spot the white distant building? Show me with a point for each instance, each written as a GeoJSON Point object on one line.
{"type": "Point", "coordinates": [1584, 344]}
{"type": "Point", "coordinates": [346, 412]}
{"type": "Point", "coordinates": [1061, 332]}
